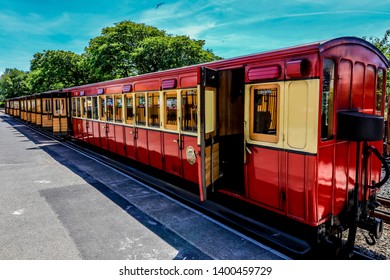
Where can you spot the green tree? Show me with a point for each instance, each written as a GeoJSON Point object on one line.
{"type": "Point", "coordinates": [383, 44]}
{"type": "Point", "coordinates": [129, 48]}
{"type": "Point", "coordinates": [13, 82]}
{"type": "Point", "coordinates": [108, 56]}
{"type": "Point", "coordinates": [55, 69]}
{"type": "Point", "coordinates": [161, 53]}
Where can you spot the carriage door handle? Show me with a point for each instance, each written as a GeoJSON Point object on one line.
{"type": "Point", "coordinates": [179, 140]}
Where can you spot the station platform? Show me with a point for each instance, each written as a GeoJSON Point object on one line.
{"type": "Point", "coordinates": [59, 204]}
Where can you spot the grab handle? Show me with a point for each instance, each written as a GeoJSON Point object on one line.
{"type": "Point", "coordinates": [384, 163]}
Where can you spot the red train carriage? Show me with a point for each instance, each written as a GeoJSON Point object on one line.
{"type": "Point", "coordinates": [261, 128]}
{"type": "Point", "coordinates": [297, 131]}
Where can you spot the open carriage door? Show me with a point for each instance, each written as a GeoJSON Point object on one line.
{"type": "Point", "coordinates": [209, 147]}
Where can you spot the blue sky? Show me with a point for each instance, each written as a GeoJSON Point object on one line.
{"type": "Point", "coordinates": [229, 27]}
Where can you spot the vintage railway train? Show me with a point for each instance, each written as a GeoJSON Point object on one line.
{"type": "Point", "coordinates": [296, 131]}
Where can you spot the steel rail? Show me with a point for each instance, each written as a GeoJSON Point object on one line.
{"type": "Point", "coordinates": [383, 200]}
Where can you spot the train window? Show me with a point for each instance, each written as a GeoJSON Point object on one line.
{"type": "Point", "coordinates": [110, 108]}
{"type": "Point", "coordinates": [73, 107]}
{"type": "Point", "coordinates": [46, 106]}
{"type": "Point", "coordinates": [264, 112]}
{"type": "Point", "coordinates": [59, 106]}
{"type": "Point", "coordinates": [140, 109]}
{"type": "Point", "coordinates": [328, 74]}
{"type": "Point", "coordinates": [89, 107]}
{"type": "Point", "coordinates": [118, 108]}
{"type": "Point", "coordinates": [154, 109]}
{"type": "Point", "coordinates": [171, 110]}
{"type": "Point", "coordinates": [38, 105]}
{"type": "Point", "coordinates": [210, 109]}
{"type": "Point", "coordinates": [78, 107]}
{"type": "Point", "coordinates": [95, 109]}
{"type": "Point", "coordinates": [129, 109]}
{"type": "Point", "coordinates": [379, 91]}
{"type": "Point", "coordinates": [102, 111]}
{"type": "Point", "coordinates": [33, 107]}
{"type": "Point", "coordinates": [189, 110]}
{"type": "Point", "coordinates": [83, 107]}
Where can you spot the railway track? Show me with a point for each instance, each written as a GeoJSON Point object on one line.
{"type": "Point", "coordinates": [385, 201]}
{"type": "Point", "coordinates": [383, 212]}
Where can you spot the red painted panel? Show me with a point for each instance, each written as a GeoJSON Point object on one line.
{"type": "Point", "coordinates": [190, 81]}
{"type": "Point", "coordinates": [120, 140]}
{"type": "Point", "coordinates": [301, 187]}
{"type": "Point", "coordinates": [96, 134]}
{"type": "Point", "coordinates": [110, 130]}
{"type": "Point", "coordinates": [80, 128]}
{"type": "Point", "coordinates": [344, 85]}
{"type": "Point", "coordinates": [130, 142]}
{"type": "Point", "coordinates": [76, 133]}
{"type": "Point", "coordinates": [357, 85]}
{"type": "Point", "coordinates": [172, 154]}
{"type": "Point", "coordinates": [263, 176]}
{"type": "Point", "coordinates": [85, 130]}
{"type": "Point", "coordinates": [90, 132]}
{"type": "Point", "coordinates": [341, 176]}
{"type": "Point", "coordinates": [113, 89]}
{"type": "Point", "coordinates": [155, 153]}
{"type": "Point", "coordinates": [352, 165]}
{"type": "Point", "coordinates": [369, 90]}
{"type": "Point", "coordinates": [325, 181]}
{"type": "Point", "coordinates": [190, 170]}
{"type": "Point", "coordinates": [311, 189]}
{"type": "Point", "coordinates": [148, 85]}
{"type": "Point", "coordinates": [295, 192]}
{"type": "Point", "coordinates": [103, 135]}
{"type": "Point", "coordinates": [142, 146]}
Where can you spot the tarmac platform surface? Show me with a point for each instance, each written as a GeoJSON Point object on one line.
{"type": "Point", "coordinates": [56, 203]}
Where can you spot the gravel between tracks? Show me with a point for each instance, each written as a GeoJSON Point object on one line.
{"type": "Point", "coordinates": [381, 250]}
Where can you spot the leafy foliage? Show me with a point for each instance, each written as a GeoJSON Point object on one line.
{"type": "Point", "coordinates": [382, 44]}
{"type": "Point", "coordinates": [54, 70]}
{"type": "Point", "coordinates": [109, 56]}
{"type": "Point", "coordinates": [13, 82]}
{"type": "Point", "coordinates": [161, 53]}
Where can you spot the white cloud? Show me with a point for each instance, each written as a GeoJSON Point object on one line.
{"type": "Point", "coordinates": [31, 23]}
{"type": "Point", "coordinates": [190, 18]}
